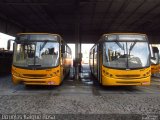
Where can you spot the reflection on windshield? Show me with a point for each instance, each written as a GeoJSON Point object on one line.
{"type": "Point", "coordinates": [37, 54]}
{"type": "Point", "coordinates": [126, 54]}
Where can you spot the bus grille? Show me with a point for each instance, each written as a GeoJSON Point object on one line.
{"type": "Point", "coordinates": [127, 76]}
{"type": "Point", "coordinates": [35, 75]}
{"type": "Point", "coordinates": [129, 82]}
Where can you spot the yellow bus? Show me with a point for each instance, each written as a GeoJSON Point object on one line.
{"type": "Point", "coordinates": [155, 67]}
{"type": "Point", "coordinates": [121, 59]}
{"type": "Point", "coordinates": [40, 59]}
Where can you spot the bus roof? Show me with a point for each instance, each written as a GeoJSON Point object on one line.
{"type": "Point", "coordinates": [34, 36]}
{"type": "Point", "coordinates": [38, 33]}
{"type": "Point", "coordinates": [123, 34]}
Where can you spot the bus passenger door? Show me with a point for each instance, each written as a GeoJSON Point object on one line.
{"type": "Point", "coordinates": [95, 62]}
{"type": "Point", "coordinates": [99, 60]}
{"type": "Point", "coordinates": [62, 59]}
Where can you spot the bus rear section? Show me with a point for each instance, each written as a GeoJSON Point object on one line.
{"type": "Point", "coordinates": [155, 66]}
{"type": "Point", "coordinates": [122, 60]}
{"type": "Point", "coordinates": [38, 59]}
{"type": "Point", "coordinates": [5, 61]}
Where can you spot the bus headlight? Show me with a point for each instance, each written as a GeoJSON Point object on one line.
{"type": "Point", "coordinates": [111, 75]}
{"type": "Point", "coordinates": [15, 73]}
{"type": "Point", "coordinates": [149, 72]}
{"type": "Point", "coordinates": [52, 74]}
{"type": "Point", "coordinates": [106, 73]}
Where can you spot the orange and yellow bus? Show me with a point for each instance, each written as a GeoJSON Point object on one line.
{"type": "Point", "coordinates": [155, 67]}
{"type": "Point", "coordinates": [40, 59]}
{"type": "Point", "coordinates": [121, 59]}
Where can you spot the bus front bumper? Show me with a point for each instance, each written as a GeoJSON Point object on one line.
{"type": "Point", "coordinates": [28, 81]}
{"type": "Point", "coordinates": [108, 81]}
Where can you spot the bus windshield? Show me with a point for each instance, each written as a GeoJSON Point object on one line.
{"type": "Point", "coordinates": [126, 55]}
{"type": "Point", "coordinates": [36, 54]}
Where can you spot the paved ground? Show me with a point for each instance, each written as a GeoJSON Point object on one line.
{"type": "Point", "coordinates": [81, 99]}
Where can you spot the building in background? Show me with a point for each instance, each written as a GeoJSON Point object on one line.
{"type": "Point", "coordinates": [4, 39]}
{"type": "Point", "coordinates": [85, 48]}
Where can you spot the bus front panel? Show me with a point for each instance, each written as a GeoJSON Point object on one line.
{"type": "Point", "coordinates": [113, 77]}
{"type": "Point", "coordinates": [36, 77]}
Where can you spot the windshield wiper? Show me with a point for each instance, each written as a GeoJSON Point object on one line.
{"type": "Point", "coordinates": [132, 46]}
{"type": "Point", "coordinates": [122, 47]}
{"type": "Point", "coordinates": [41, 47]}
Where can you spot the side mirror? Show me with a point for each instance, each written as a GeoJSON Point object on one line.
{"type": "Point", "coordinates": [62, 48]}
{"type": "Point", "coordinates": [100, 46]}
{"type": "Point", "coordinates": [13, 46]}
{"type": "Point", "coordinates": [80, 55]}
{"type": "Point", "coordinates": [8, 44]}
{"type": "Point", "coordinates": [153, 58]}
